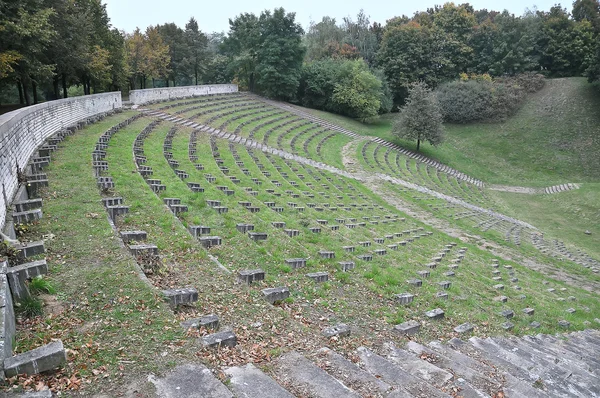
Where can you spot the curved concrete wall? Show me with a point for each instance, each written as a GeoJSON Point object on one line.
{"type": "Point", "coordinates": [139, 97]}
{"type": "Point", "coordinates": [24, 130]}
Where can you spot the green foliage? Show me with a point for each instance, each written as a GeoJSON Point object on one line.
{"type": "Point", "coordinates": [477, 99]}
{"type": "Point", "coordinates": [30, 307]}
{"type": "Point", "coordinates": [266, 53]}
{"type": "Point", "coordinates": [280, 54]}
{"type": "Point", "coordinates": [421, 118]}
{"type": "Point", "coordinates": [344, 87]}
{"type": "Point", "coordinates": [565, 44]}
{"type": "Point", "coordinates": [41, 285]}
{"type": "Point", "coordinates": [358, 96]}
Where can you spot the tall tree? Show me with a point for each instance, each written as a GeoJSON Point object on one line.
{"type": "Point", "coordinates": [26, 32]}
{"type": "Point", "coordinates": [420, 119]}
{"type": "Point", "coordinates": [196, 42]}
{"type": "Point", "coordinates": [158, 55]}
{"type": "Point", "coordinates": [173, 36]}
{"type": "Point", "coordinates": [242, 45]}
{"type": "Point", "coordinates": [280, 54]}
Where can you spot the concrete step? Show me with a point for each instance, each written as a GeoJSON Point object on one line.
{"type": "Point", "coordinates": [392, 374]}
{"type": "Point", "coordinates": [350, 374]}
{"type": "Point", "coordinates": [249, 381]}
{"type": "Point", "coordinates": [460, 369]}
{"type": "Point", "coordinates": [308, 379]}
{"type": "Point", "coordinates": [418, 367]}
{"type": "Point", "coordinates": [190, 381]}
{"type": "Point", "coordinates": [459, 350]}
{"type": "Point", "coordinates": [523, 366]}
{"type": "Point", "coordinates": [570, 377]}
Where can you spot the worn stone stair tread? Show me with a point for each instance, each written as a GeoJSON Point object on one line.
{"type": "Point", "coordinates": [389, 372]}
{"type": "Point", "coordinates": [566, 347]}
{"type": "Point", "coordinates": [190, 381]}
{"type": "Point", "coordinates": [569, 346]}
{"type": "Point", "coordinates": [350, 374]}
{"type": "Point", "coordinates": [522, 367]}
{"type": "Point", "coordinates": [475, 379]}
{"type": "Point", "coordinates": [458, 350]}
{"type": "Point", "coordinates": [418, 367]}
{"type": "Point", "coordinates": [309, 378]}
{"type": "Point", "coordinates": [249, 382]}
{"type": "Point", "coordinates": [559, 351]}
{"type": "Point", "coordinates": [579, 379]}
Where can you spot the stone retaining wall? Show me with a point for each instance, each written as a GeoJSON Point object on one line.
{"type": "Point", "coordinates": [139, 97]}
{"type": "Point", "coordinates": [22, 131]}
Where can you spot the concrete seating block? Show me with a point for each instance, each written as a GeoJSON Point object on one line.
{"type": "Point", "coordinates": [408, 328]}
{"type": "Point", "coordinates": [341, 330]}
{"type": "Point", "coordinates": [207, 321]}
{"type": "Point", "coordinates": [318, 276]}
{"type": "Point", "coordinates": [177, 297]}
{"type": "Point", "coordinates": [251, 276]}
{"type": "Point", "coordinates": [220, 339]}
{"type": "Point", "coordinates": [38, 360]}
{"type": "Point", "coordinates": [276, 294]}
{"type": "Point", "coordinates": [437, 313]}
{"type": "Point", "coordinates": [130, 236]}
{"type": "Point", "coordinates": [404, 298]}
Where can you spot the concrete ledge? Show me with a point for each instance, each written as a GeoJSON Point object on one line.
{"type": "Point", "coordinates": [138, 97]}
{"type": "Point", "coordinates": [18, 276]}
{"type": "Point", "coordinates": [38, 360]}
{"type": "Point", "coordinates": [7, 320]}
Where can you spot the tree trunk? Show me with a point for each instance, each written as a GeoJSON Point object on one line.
{"type": "Point", "coordinates": [167, 81]}
{"type": "Point", "coordinates": [55, 87]}
{"type": "Point", "coordinates": [418, 144]}
{"type": "Point", "coordinates": [64, 85]}
{"type": "Point", "coordinates": [196, 74]}
{"type": "Point", "coordinates": [35, 94]}
{"type": "Point", "coordinates": [26, 92]}
{"type": "Point", "coordinates": [153, 83]}
{"type": "Point", "coordinates": [20, 88]}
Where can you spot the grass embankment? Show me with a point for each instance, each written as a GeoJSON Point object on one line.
{"type": "Point", "coordinates": [553, 139]}
{"type": "Point", "coordinates": [117, 327]}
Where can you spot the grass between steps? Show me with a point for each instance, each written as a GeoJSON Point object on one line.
{"type": "Point", "coordinates": [119, 326]}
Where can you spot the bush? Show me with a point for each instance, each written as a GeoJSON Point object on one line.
{"type": "Point", "coordinates": [30, 307]}
{"type": "Point", "coordinates": [41, 285]}
{"type": "Point", "coordinates": [476, 98]}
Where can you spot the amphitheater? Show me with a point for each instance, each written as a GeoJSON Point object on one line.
{"type": "Point", "coordinates": [293, 257]}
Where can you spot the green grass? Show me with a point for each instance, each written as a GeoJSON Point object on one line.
{"type": "Point", "coordinates": [107, 306]}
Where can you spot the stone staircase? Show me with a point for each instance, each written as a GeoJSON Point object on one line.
{"type": "Point", "coordinates": [530, 366]}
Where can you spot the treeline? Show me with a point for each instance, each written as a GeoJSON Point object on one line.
{"type": "Point", "coordinates": [355, 67]}
{"type": "Point", "coordinates": [49, 45]}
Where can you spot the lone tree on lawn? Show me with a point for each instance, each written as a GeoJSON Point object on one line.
{"type": "Point", "coordinates": [420, 119]}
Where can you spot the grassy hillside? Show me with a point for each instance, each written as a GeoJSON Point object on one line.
{"type": "Point", "coordinates": [555, 138]}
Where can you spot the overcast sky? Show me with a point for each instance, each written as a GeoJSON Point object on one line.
{"type": "Point", "coordinates": [213, 16]}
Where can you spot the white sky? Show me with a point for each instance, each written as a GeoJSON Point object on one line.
{"type": "Point", "coordinates": [214, 17]}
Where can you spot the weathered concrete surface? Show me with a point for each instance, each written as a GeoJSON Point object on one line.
{"type": "Point", "coordinates": [139, 97]}
{"type": "Point", "coordinates": [189, 381]}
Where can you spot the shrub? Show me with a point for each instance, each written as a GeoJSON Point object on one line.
{"type": "Point", "coordinates": [30, 307]}
{"type": "Point", "coordinates": [478, 98]}
{"type": "Point", "coordinates": [41, 285]}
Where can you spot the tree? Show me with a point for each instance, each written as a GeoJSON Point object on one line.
{"type": "Point", "coordinates": [280, 54]}
{"type": "Point", "coordinates": [241, 45]}
{"type": "Point", "coordinates": [173, 36]}
{"type": "Point", "coordinates": [321, 37]}
{"type": "Point", "coordinates": [266, 53]}
{"type": "Point", "coordinates": [196, 42]}
{"type": "Point", "coordinates": [409, 53]}
{"type": "Point", "coordinates": [420, 119]}
{"type": "Point", "coordinates": [358, 95]}
{"type": "Point", "coordinates": [158, 54]}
